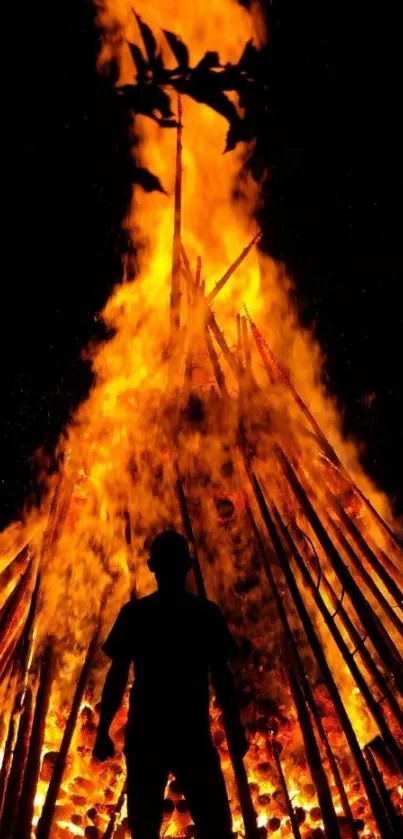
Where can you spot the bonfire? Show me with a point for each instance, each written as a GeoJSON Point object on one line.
{"type": "Point", "coordinates": [208, 414]}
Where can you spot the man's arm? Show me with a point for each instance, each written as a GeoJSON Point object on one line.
{"type": "Point", "coordinates": [112, 695]}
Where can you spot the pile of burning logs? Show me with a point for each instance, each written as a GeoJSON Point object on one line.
{"type": "Point", "coordinates": [328, 564]}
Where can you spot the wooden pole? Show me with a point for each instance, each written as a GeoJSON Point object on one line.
{"type": "Point", "coordinates": [395, 592]}
{"type": "Point", "coordinates": [366, 692]}
{"type": "Point", "coordinates": [218, 373]}
{"type": "Point", "coordinates": [271, 364]}
{"type": "Point", "coordinates": [359, 645]}
{"type": "Point", "coordinates": [219, 337]}
{"type": "Point", "coordinates": [291, 813]}
{"type": "Point", "coordinates": [116, 813]}
{"type": "Point", "coordinates": [176, 248]}
{"type": "Point", "coordinates": [319, 655]}
{"type": "Point", "coordinates": [18, 766]}
{"type": "Point", "coordinates": [48, 810]}
{"type": "Point", "coordinates": [20, 668]}
{"type": "Point", "coordinates": [15, 608]}
{"type": "Point", "coordinates": [32, 770]}
{"type": "Point", "coordinates": [365, 576]}
{"type": "Point", "coordinates": [297, 678]}
{"type": "Point", "coordinates": [395, 823]}
{"type": "Point", "coordinates": [231, 270]}
{"type": "Point", "coordinates": [304, 679]}
{"type": "Point", "coordinates": [369, 619]}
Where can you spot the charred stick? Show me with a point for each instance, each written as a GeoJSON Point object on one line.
{"type": "Point", "coordinates": [8, 655]}
{"type": "Point", "coordinates": [393, 571]}
{"type": "Point", "coordinates": [188, 369]}
{"type": "Point", "coordinates": [291, 812]}
{"type": "Point", "coordinates": [218, 373]}
{"type": "Point", "coordinates": [116, 813]}
{"type": "Point", "coordinates": [366, 577]}
{"type": "Point", "coordinates": [219, 337]}
{"type": "Point", "coordinates": [359, 646]}
{"type": "Point", "coordinates": [15, 710]}
{"type": "Point", "coordinates": [17, 770]}
{"type": "Point", "coordinates": [390, 585]}
{"type": "Point", "coordinates": [228, 274]}
{"type": "Point", "coordinates": [187, 526]}
{"type": "Point", "coordinates": [32, 770]}
{"type": "Point", "coordinates": [19, 680]}
{"type": "Point", "coordinates": [11, 575]}
{"type": "Point", "coordinates": [239, 340]}
{"type": "Point", "coordinates": [368, 618]}
{"type": "Point", "coordinates": [310, 700]}
{"type": "Point", "coordinates": [271, 364]}
{"type": "Point", "coordinates": [14, 609]}
{"type": "Point", "coordinates": [176, 247]}
{"type": "Point", "coordinates": [319, 655]}
{"type": "Point", "coordinates": [294, 666]}
{"type": "Point", "coordinates": [329, 816]}
{"type": "Point", "coordinates": [390, 812]}
{"type": "Point", "coordinates": [46, 819]}
{"type": "Point", "coordinates": [198, 279]}
{"type": "Point", "coordinates": [370, 700]}
{"type": "Point", "coordinates": [271, 361]}
{"type": "Point", "coordinates": [396, 540]}
{"type": "Point", "coordinates": [246, 344]}
{"type": "Point", "coordinates": [187, 270]}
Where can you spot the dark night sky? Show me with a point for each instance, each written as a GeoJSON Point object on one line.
{"type": "Point", "coordinates": [332, 213]}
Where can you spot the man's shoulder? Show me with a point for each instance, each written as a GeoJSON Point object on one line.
{"type": "Point", "coordinates": [137, 604]}
{"type": "Point", "coordinates": [207, 608]}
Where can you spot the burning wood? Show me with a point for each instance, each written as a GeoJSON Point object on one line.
{"type": "Point", "coordinates": [268, 494]}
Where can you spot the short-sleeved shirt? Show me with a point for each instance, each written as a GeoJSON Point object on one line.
{"type": "Point", "coordinates": [173, 642]}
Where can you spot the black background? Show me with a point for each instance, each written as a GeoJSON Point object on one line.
{"type": "Point", "coordinates": [332, 213]}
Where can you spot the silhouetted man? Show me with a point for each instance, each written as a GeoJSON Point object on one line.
{"type": "Point", "coordinates": [175, 640]}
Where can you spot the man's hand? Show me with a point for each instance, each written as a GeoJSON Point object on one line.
{"type": "Point", "coordinates": [104, 747]}
{"type": "Point", "coordinates": [238, 742]}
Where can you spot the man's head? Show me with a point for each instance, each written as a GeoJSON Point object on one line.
{"type": "Point", "coordinates": [170, 560]}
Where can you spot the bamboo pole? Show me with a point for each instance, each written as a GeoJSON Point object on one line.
{"type": "Point", "coordinates": [20, 670]}
{"type": "Point", "coordinates": [395, 822]}
{"type": "Point", "coordinates": [291, 813]}
{"type": "Point", "coordinates": [271, 363]}
{"type": "Point", "coordinates": [187, 269]}
{"type": "Point", "coordinates": [15, 608]}
{"type": "Point", "coordinates": [15, 710]}
{"type": "Point", "coordinates": [360, 648]}
{"type": "Point", "coordinates": [239, 340]}
{"type": "Point", "coordinates": [392, 570]}
{"type": "Point", "coordinates": [116, 813]}
{"type": "Point", "coordinates": [46, 818]}
{"type": "Point", "coordinates": [395, 592]}
{"type": "Point", "coordinates": [320, 656]}
{"type": "Point", "coordinates": [238, 766]}
{"type": "Point", "coordinates": [17, 769]}
{"type": "Point", "coordinates": [296, 669]}
{"type": "Point", "coordinates": [219, 337]}
{"type": "Point", "coordinates": [187, 526]}
{"type": "Point", "coordinates": [218, 373]}
{"type": "Point", "coordinates": [384, 645]}
{"type": "Point", "coordinates": [32, 770]}
{"type": "Point", "coordinates": [246, 345]}
{"type": "Point", "coordinates": [366, 692]}
{"type": "Point", "coordinates": [231, 270]}
{"type": "Point", "coordinates": [11, 575]}
{"type": "Point", "coordinates": [365, 576]}
{"type": "Point", "coordinates": [176, 248]}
